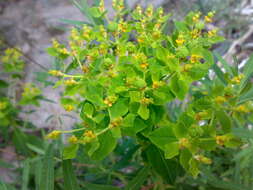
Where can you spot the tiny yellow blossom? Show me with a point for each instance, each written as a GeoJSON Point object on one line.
{"type": "Point", "coordinates": [3, 105]}
{"type": "Point", "coordinates": [149, 11]}
{"type": "Point", "coordinates": [157, 84]}
{"type": "Point", "coordinates": [73, 139]}
{"type": "Point", "coordinates": [220, 100]}
{"type": "Point", "coordinates": [70, 82]}
{"type": "Point", "coordinates": [199, 116]}
{"type": "Point", "coordinates": [55, 43]}
{"type": "Point", "coordinates": [53, 135]}
{"type": "Point", "coordinates": [196, 17]}
{"type": "Point", "coordinates": [180, 40]}
{"type": "Point", "coordinates": [89, 134]}
{"type": "Point", "coordinates": [85, 69]}
{"type": "Point", "coordinates": [186, 67]}
{"type": "Point", "coordinates": [195, 58]}
{"type": "Point", "coordinates": [116, 122]}
{"type": "Point", "coordinates": [69, 108]}
{"type": "Point", "coordinates": [55, 73]}
{"type": "Point", "coordinates": [220, 140]}
{"type": "Point", "coordinates": [237, 79]}
{"type": "Point", "coordinates": [143, 65]}
{"type": "Point", "coordinates": [203, 159]}
{"type": "Point", "coordinates": [183, 143]}
{"type": "Point", "coordinates": [242, 109]}
{"type": "Point", "coordinates": [102, 6]}
{"type": "Point", "coordinates": [209, 17]}
{"type": "Point", "coordinates": [110, 100]}
{"type": "Point", "coordinates": [212, 33]}
{"type": "Point", "coordinates": [64, 51]}
{"type": "Point", "coordinates": [195, 33]}
{"type": "Point", "coordinates": [146, 101]}
{"type": "Point", "coordinates": [139, 9]}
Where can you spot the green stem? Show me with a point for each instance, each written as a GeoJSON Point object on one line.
{"type": "Point", "coordinates": [72, 76]}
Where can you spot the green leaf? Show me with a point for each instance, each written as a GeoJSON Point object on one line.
{"type": "Point", "coordinates": [138, 180]}
{"type": "Point", "coordinates": [95, 12]}
{"type": "Point", "coordinates": [87, 109]}
{"type": "Point", "coordinates": [207, 144]}
{"type": "Point", "coordinates": [246, 96]}
{"type": "Point", "coordinates": [75, 22]}
{"type": "Point", "coordinates": [185, 156]}
{"type": "Point", "coordinates": [69, 177]}
{"type": "Point", "coordinates": [181, 26]}
{"type": "Point", "coordinates": [224, 120]}
{"type": "Point", "coordinates": [139, 125]}
{"type": "Point", "coordinates": [25, 175]}
{"type": "Point", "coordinates": [3, 186]}
{"type": "Point", "coordinates": [135, 96]}
{"type": "Point", "coordinates": [171, 150]}
{"type": "Point", "coordinates": [143, 111]}
{"type": "Point", "coordinates": [247, 71]}
{"type": "Point", "coordinates": [243, 133]}
{"type": "Point", "coordinates": [179, 87]}
{"type": "Point", "coordinates": [91, 186]}
{"type": "Point", "coordinates": [107, 145]}
{"type": "Point", "coordinates": [94, 94]}
{"type": "Point", "coordinates": [169, 170]}
{"type": "Point", "coordinates": [38, 168]}
{"type": "Point", "coordinates": [219, 74]}
{"type": "Point", "coordinates": [69, 152]}
{"type": "Point", "coordinates": [20, 140]}
{"type": "Point", "coordinates": [47, 173]}
{"type": "Point", "coordinates": [227, 67]}
{"type": "Point", "coordinates": [128, 120]}
{"type": "Point", "coordinates": [162, 136]}
{"type": "Point", "coordinates": [119, 109]}
{"type": "Point", "coordinates": [3, 84]}
{"type": "Point", "coordinates": [194, 169]}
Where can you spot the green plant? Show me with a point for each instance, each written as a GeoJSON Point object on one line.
{"type": "Point", "coordinates": [122, 75]}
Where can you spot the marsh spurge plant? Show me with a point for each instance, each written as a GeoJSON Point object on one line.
{"type": "Point", "coordinates": [123, 73]}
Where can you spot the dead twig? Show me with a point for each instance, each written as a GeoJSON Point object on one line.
{"type": "Point", "coordinates": [233, 48]}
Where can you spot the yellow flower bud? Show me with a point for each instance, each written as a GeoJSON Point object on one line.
{"type": "Point", "coordinates": [55, 43]}
{"type": "Point", "coordinates": [55, 73]}
{"type": "Point", "coordinates": [64, 51]}
{"type": "Point", "coordinates": [212, 33]}
{"type": "Point", "coordinates": [195, 58]}
{"type": "Point", "coordinates": [73, 139]}
{"type": "Point", "coordinates": [143, 65]}
{"type": "Point", "coordinates": [146, 101]}
{"type": "Point", "coordinates": [69, 108]}
{"type": "Point", "coordinates": [220, 140]}
{"type": "Point", "coordinates": [196, 17]}
{"type": "Point", "coordinates": [3, 105]}
{"type": "Point", "coordinates": [70, 82]}
{"type": "Point", "coordinates": [183, 143]}
{"type": "Point", "coordinates": [116, 122]}
{"type": "Point", "coordinates": [220, 100]}
{"type": "Point", "coordinates": [89, 134]}
{"type": "Point", "coordinates": [203, 159]}
{"type": "Point", "coordinates": [53, 135]}
{"type": "Point", "coordinates": [195, 33]}
{"type": "Point", "coordinates": [242, 109]}
{"type": "Point", "coordinates": [157, 84]}
{"type": "Point", "coordinates": [85, 69]}
{"type": "Point", "coordinates": [180, 42]}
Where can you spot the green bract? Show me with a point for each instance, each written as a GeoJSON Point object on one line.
{"type": "Point", "coordinates": [123, 72]}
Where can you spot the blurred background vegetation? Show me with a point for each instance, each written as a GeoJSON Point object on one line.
{"type": "Point", "coordinates": [28, 26]}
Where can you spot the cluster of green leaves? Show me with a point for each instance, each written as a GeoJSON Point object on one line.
{"type": "Point", "coordinates": [129, 70]}
{"type": "Point", "coordinates": [10, 100]}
